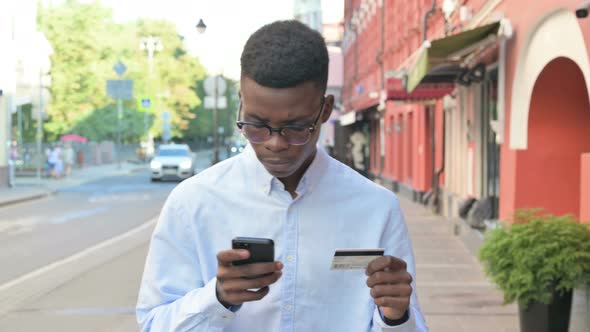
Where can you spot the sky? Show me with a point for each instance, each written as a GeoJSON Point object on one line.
{"type": "Point", "coordinates": [229, 23]}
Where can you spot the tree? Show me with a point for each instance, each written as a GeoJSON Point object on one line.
{"type": "Point", "coordinates": [87, 43]}
{"type": "Point", "coordinates": [74, 31]}
{"type": "Point", "coordinates": [102, 125]}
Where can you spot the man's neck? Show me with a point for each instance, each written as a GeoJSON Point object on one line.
{"type": "Point", "coordinates": [292, 182]}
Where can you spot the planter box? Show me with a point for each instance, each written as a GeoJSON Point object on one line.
{"type": "Point", "coordinates": [553, 317]}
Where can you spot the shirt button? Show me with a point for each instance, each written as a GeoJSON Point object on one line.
{"type": "Point", "coordinates": [290, 258]}
{"type": "Point", "coordinates": [288, 307]}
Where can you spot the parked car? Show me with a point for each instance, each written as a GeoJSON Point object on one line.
{"type": "Point", "coordinates": [172, 161]}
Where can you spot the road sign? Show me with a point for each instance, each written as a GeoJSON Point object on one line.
{"type": "Point", "coordinates": [144, 104]}
{"type": "Point", "coordinates": [120, 68]}
{"type": "Point", "coordinates": [210, 102]}
{"type": "Point", "coordinates": [120, 89]}
{"type": "Point", "coordinates": [209, 85]}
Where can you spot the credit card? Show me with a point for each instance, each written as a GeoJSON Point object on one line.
{"type": "Point", "coordinates": [354, 259]}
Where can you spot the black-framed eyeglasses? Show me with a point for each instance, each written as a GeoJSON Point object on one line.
{"type": "Point", "coordinates": [257, 132]}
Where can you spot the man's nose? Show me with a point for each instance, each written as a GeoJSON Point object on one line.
{"type": "Point", "coordinates": [276, 143]}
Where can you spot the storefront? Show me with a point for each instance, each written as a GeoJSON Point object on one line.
{"type": "Point", "coordinates": [442, 121]}
{"type": "Point", "coordinates": [475, 112]}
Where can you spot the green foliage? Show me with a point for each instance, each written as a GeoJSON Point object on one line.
{"type": "Point", "coordinates": [102, 125]}
{"type": "Point", "coordinates": [75, 31]}
{"type": "Point", "coordinates": [87, 43]}
{"type": "Point", "coordinates": [537, 255]}
{"type": "Point", "coordinates": [28, 124]}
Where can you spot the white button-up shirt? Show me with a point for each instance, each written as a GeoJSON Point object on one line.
{"type": "Point", "coordinates": [335, 208]}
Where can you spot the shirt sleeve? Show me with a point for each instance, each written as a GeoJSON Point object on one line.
{"type": "Point", "coordinates": [396, 242]}
{"type": "Point", "coordinates": [173, 295]}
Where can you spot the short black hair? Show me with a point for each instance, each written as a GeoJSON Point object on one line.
{"type": "Point", "coordinates": [285, 54]}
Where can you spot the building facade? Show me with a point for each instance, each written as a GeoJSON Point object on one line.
{"type": "Point", "coordinates": [309, 12]}
{"type": "Point", "coordinates": [476, 107]}
{"type": "Point", "coordinates": [24, 64]}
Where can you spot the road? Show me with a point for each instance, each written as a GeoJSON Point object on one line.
{"type": "Point", "coordinates": [73, 261]}
{"type": "Point", "coordinates": [37, 233]}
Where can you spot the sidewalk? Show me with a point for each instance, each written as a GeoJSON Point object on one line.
{"type": "Point", "coordinates": [454, 293]}
{"type": "Point", "coordinates": [29, 188]}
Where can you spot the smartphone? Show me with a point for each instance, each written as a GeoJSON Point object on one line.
{"type": "Point", "coordinates": [261, 251]}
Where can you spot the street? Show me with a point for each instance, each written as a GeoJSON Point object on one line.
{"type": "Point", "coordinates": [73, 260]}
{"type": "Point", "coordinates": [34, 234]}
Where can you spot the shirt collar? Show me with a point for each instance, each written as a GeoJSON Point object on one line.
{"type": "Point", "coordinates": [266, 182]}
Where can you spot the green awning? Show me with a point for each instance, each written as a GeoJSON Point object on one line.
{"type": "Point", "coordinates": [447, 50]}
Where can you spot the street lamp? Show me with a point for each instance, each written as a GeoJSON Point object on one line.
{"type": "Point", "coordinates": [201, 27]}
{"type": "Point", "coordinates": [152, 45]}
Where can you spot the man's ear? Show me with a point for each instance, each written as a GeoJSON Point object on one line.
{"type": "Point", "coordinates": [328, 107]}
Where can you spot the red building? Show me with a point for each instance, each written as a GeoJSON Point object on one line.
{"type": "Point", "coordinates": [461, 99]}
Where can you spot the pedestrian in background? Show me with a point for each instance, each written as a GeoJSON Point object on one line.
{"type": "Point", "coordinates": [14, 151]}
{"type": "Point", "coordinates": [48, 164]}
{"type": "Point", "coordinates": [283, 187]}
{"type": "Point", "coordinates": [56, 162]}
{"type": "Point", "coordinates": [68, 157]}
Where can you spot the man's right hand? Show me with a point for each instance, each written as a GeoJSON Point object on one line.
{"type": "Point", "coordinates": [232, 288]}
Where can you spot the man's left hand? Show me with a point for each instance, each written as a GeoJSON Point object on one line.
{"type": "Point", "coordinates": [390, 285]}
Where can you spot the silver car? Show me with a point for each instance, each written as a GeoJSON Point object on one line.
{"type": "Point", "coordinates": [173, 161]}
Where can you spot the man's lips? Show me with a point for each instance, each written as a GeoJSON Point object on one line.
{"type": "Point", "coordinates": [276, 161]}
{"type": "Point", "coordinates": [276, 165]}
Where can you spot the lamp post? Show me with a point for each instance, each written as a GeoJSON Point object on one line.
{"type": "Point", "coordinates": [201, 27]}
{"type": "Point", "coordinates": [152, 45]}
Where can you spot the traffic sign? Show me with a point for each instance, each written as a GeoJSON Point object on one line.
{"type": "Point", "coordinates": [211, 81]}
{"type": "Point", "coordinates": [120, 68]}
{"type": "Point", "coordinates": [144, 104]}
{"type": "Point", "coordinates": [210, 102]}
{"type": "Point", "coordinates": [120, 89]}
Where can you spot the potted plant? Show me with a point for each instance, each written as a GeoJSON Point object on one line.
{"type": "Point", "coordinates": [538, 260]}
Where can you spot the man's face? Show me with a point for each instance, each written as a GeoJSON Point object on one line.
{"type": "Point", "coordinates": [299, 105]}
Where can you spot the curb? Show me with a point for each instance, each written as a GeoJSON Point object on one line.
{"type": "Point", "coordinates": [27, 198]}
{"type": "Point", "coordinates": [138, 170]}
{"type": "Point", "coordinates": [50, 192]}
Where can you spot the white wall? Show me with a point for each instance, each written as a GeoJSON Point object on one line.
{"type": "Point", "coordinates": [24, 52]}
